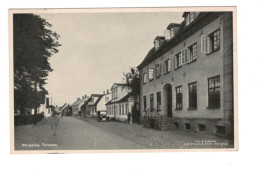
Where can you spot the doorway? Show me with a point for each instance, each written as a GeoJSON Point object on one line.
{"type": "Point", "coordinates": [168, 99]}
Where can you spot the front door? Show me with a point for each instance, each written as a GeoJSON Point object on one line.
{"type": "Point", "coordinates": [169, 101]}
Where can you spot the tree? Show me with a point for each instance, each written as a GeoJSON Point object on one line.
{"type": "Point", "coordinates": [34, 43]}
{"type": "Point", "coordinates": [132, 80]}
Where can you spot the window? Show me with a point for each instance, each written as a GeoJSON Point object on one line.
{"type": "Point", "coordinates": [145, 103]}
{"type": "Point", "coordinates": [158, 96]}
{"type": "Point", "coordinates": [211, 42]}
{"type": "Point", "coordinates": [178, 60]}
{"type": "Point", "coordinates": [106, 99]}
{"type": "Point", "coordinates": [220, 130]}
{"type": "Point", "coordinates": [119, 109]}
{"type": "Point", "coordinates": [126, 109]}
{"type": "Point", "coordinates": [193, 95]}
{"type": "Point", "coordinates": [156, 44]}
{"type": "Point", "coordinates": [172, 32]}
{"type": "Point", "coordinates": [193, 52]}
{"type": "Point", "coordinates": [144, 78]}
{"type": "Point", "coordinates": [202, 127]}
{"type": "Point", "coordinates": [151, 102]}
{"type": "Point", "coordinates": [192, 16]}
{"type": "Point", "coordinates": [189, 18]}
{"type": "Point", "coordinates": [151, 73]}
{"type": "Point", "coordinates": [167, 66]}
{"type": "Point", "coordinates": [214, 92]}
{"type": "Point", "coordinates": [179, 97]}
{"type": "Point", "coordinates": [158, 70]}
{"type": "Point", "coordinates": [187, 126]}
{"type": "Point", "coordinates": [123, 109]}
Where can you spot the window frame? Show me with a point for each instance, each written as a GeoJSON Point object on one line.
{"type": "Point", "coordinates": [151, 69]}
{"type": "Point", "coordinates": [210, 98]}
{"type": "Point", "coordinates": [212, 40]}
{"type": "Point", "coordinates": [151, 102]}
{"type": "Point", "coordinates": [179, 96]}
{"type": "Point", "coordinates": [167, 66]}
{"type": "Point", "coordinates": [177, 60]}
{"type": "Point", "coordinates": [159, 71]}
{"type": "Point", "coordinates": [191, 51]}
{"type": "Point", "coordinates": [145, 78]}
{"type": "Point", "coordinates": [193, 95]}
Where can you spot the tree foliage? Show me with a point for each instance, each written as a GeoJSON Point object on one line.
{"type": "Point", "coordinates": [132, 79]}
{"type": "Point", "coordinates": [34, 43]}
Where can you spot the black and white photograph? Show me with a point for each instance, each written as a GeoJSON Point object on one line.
{"type": "Point", "coordinates": [123, 80]}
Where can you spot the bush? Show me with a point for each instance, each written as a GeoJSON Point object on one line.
{"type": "Point", "coordinates": [27, 119]}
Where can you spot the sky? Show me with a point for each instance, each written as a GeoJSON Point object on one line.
{"type": "Point", "coordinates": [97, 48]}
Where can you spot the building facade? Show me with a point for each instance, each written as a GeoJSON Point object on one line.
{"type": "Point", "coordinates": [122, 102]}
{"type": "Point", "coordinates": [76, 106]}
{"type": "Point", "coordinates": [188, 74]}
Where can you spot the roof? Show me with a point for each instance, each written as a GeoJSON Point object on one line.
{"type": "Point", "coordinates": [123, 99]}
{"type": "Point", "coordinates": [120, 84]}
{"type": "Point", "coordinates": [185, 31]}
{"type": "Point", "coordinates": [95, 103]}
{"type": "Point", "coordinates": [173, 25]}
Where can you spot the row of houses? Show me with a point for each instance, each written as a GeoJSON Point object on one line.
{"type": "Point", "coordinates": [116, 103]}
{"type": "Point", "coordinates": [186, 78]}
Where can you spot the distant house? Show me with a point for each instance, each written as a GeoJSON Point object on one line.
{"type": "Point", "coordinates": [83, 108]}
{"type": "Point", "coordinates": [66, 110]}
{"type": "Point", "coordinates": [122, 102]}
{"type": "Point", "coordinates": [46, 107]}
{"type": "Point", "coordinates": [93, 104]}
{"type": "Point", "coordinates": [77, 104]}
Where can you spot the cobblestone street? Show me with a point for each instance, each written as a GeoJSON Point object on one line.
{"type": "Point", "coordinates": [69, 133]}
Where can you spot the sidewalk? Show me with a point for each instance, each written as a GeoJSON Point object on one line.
{"type": "Point", "coordinates": [155, 139]}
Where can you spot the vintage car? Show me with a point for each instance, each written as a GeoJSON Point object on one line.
{"type": "Point", "coordinates": [102, 116]}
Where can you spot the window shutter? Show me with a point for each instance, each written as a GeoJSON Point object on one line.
{"type": "Point", "coordinates": [164, 67]}
{"type": "Point", "coordinates": [203, 43]}
{"type": "Point", "coordinates": [209, 48]}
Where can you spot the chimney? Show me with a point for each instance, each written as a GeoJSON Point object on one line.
{"type": "Point", "coordinates": [104, 92]}
{"type": "Point", "coordinates": [107, 91]}
{"type": "Point", "coordinates": [82, 97]}
{"type": "Point", "coordinates": [85, 95]}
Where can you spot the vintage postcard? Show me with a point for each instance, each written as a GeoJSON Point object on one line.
{"type": "Point", "coordinates": [123, 80]}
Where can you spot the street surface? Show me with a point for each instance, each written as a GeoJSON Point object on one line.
{"type": "Point", "coordinates": [69, 133]}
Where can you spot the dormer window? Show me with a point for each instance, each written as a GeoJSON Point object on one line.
{"type": "Point", "coordinates": [156, 44]}
{"type": "Point", "coordinates": [189, 18]}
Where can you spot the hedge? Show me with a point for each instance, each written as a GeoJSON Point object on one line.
{"type": "Point", "coordinates": [27, 119]}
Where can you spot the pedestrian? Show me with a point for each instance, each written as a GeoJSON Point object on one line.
{"type": "Point", "coordinates": [129, 116]}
